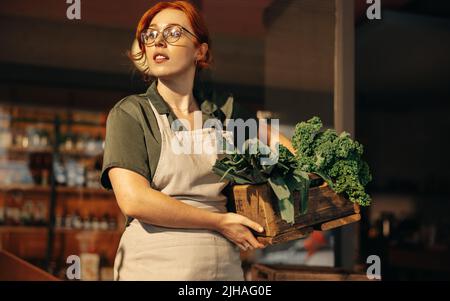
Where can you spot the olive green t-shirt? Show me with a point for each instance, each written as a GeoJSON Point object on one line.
{"type": "Point", "coordinates": [133, 139]}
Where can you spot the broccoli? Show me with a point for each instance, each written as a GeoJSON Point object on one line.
{"type": "Point", "coordinates": [334, 157]}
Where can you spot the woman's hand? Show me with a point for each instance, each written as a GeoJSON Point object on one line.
{"type": "Point", "coordinates": [235, 227]}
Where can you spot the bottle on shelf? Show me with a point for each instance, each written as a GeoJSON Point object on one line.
{"type": "Point", "coordinates": [77, 222]}
{"type": "Point", "coordinates": [106, 268]}
{"type": "Point", "coordinates": [92, 176]}
{"type": "Point", "coordinates": [68, 221]}
{"type": "Point", "coordinates": [90, 259]}
{"type": "Point", "coordinates": [40, 213]}
{"type": "Point", "coordinates": [112, 224]}
{"type": "Point", "coordinates": [13, 209]}
{"type": "Point", "coordinates": [27, 218]}
{"type": "Point", "coordinates": [59, 219]}
{"type": "Point", "coordinates": [104, 222]}
{"type": "Point", "coordinates": [44, 141]}
{"type": "Point", "coordinates": [96, 225]}
{"type": "Point", "coordinates": [45, 177]}
{"type": "Point", "coordinates": [60, 173]}
{"type": "Point", "coordinates": [68, 144]}
{"type": "Point", "coordinates": [5, 138]}
{"type": "Point", "coordinates": [87, 223]}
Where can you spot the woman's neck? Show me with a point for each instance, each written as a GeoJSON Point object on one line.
{"type": "Point", "coordinates": [177, 93]}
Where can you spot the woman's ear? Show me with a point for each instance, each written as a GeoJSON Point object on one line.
{"type": "Point", "coordinates": [202, 51]}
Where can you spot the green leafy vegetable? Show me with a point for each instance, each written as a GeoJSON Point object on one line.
{"type": "Point", "coordinates": [283, 176]}
{"type": "Point", "coordinates": [334, 157]}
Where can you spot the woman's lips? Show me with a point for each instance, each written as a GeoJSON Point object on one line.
{"type": "Point", "coordinates": [159, 58]}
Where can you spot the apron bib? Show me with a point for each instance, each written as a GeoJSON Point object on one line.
{"type": "Point", "coordinates": [149, 252]}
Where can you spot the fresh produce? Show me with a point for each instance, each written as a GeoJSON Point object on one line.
{"type": "Point", "coordinates": [334, 157]}
{"type": "Point", "coordinates": [283, 176]}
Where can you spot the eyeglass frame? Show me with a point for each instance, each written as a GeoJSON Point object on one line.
{"type": "Point", "coordinates": [183, 29]}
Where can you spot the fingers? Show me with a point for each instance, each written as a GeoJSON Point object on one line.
{"type": "Point", "coordinates": [244, 246]}
{"type": "Point", "coordinates": [249, 242]}
{"type": "Point", "coordinates": [240, 246]}
{"type": "Point", "coordinates": [250, 239]}
{"type": "Point", "coordinates": [250, 246]}
{"type": "Point", "coordinates": [251, 224]}
{"type": "Point", "coordinates": [254, 243]}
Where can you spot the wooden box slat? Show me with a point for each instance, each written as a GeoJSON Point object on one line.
{"type": "Point", "coordinates": [326, 210]}
{"type": "Point", "coordinates": [261, 272]}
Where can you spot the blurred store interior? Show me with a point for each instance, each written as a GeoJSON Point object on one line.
{"type": "Point", "coordinates": [59, 78]}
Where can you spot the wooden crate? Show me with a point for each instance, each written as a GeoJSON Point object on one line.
{"type": "Point", "coordinates": [326, 210]}
{"type": "Point", "coordinates": [261, 272]}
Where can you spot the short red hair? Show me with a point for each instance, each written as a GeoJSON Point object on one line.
{"type": "Point", "coordinates": [195, 18]}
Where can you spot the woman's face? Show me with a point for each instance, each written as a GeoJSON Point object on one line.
{"type": "Point", "coordinates": [167, 60]}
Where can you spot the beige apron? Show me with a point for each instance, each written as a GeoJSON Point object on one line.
{"type": "Point", "coordinates": [148, 252]}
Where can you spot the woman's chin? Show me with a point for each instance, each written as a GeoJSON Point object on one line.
{"type": "Point", "coordinates": [166, 73]}
{"type": "Point", "coordinates": [163, 74]}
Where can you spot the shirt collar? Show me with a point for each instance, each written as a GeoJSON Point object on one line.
{"type": "Point", "coordinates": [208, 107]}
{"type": "Point", "coordinates": [157, 101]}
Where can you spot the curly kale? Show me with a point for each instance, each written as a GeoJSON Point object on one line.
{"type": "Point", "coordinates": [334, 157]}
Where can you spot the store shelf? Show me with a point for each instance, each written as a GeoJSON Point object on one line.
{"type": "Point", "coordinates": [25, 150]}
{"type": "Point", "coordinates": [80, 153]}
{"type": "Point", "coordinates": [84, 190]}
{"type": "Point", "coordinates": [49, 150]}
{"type": "Point", "coordinates": [44, 229]}
{"type": "Point", "coordinates": [23, 229]}
{"type": "Point", "coordinates": [93, 231]}
{"type": "Point", "coordinates": [47, 189]}
{"type": "Point", "coordinates": [52, 122]}
{"type": "Point", "coordinates": [81, 136]}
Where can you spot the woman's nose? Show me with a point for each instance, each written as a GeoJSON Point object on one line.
{"type": "Point", "coordinates": [160, 42]}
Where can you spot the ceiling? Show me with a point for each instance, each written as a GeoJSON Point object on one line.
{"type": "Point", "coordinates": [231, 16]}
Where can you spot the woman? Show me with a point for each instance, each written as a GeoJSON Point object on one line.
{"type": "Point", "coordinates": [178, 227]}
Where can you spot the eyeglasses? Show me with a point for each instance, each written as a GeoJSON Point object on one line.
{"type": "Point", "coordinates": [171, 34]}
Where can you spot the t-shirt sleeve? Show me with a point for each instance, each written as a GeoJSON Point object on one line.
{"type": "Point", "coordinates": [124, 146]}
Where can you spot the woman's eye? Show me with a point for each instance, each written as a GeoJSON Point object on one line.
{"type": "Point", "coordinates": [152, 35]}
{"type": "Point", "coordinates": [176, 33]}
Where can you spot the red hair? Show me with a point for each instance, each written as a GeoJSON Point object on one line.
{"type": "Point", "coordinates": [195, 18]}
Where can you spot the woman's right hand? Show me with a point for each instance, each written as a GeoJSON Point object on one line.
{"type": "Point", "coordinates": [235, 227]}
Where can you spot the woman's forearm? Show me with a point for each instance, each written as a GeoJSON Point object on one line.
{"type": "Point", "coordinates": [154, 207]}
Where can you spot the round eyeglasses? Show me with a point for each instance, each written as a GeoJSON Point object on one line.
{"type": "Point", "coordinates": [171, 34]}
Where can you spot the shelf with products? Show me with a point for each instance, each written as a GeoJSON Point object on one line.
{"type": "Point", "coordinates": [39, 184]}
{"type": "Point", "coordinates": [32, 114]}
{"type": "Point", "coordinates": [31, 129]}
{"type": "Point", "coordinates": [43, 229]}
{"type": "Point", "coordinates": [30, 207]}
{"type": "Point", "coordinates": [49, 150]}
{"type": "Point", "coordinates": [60, 189]}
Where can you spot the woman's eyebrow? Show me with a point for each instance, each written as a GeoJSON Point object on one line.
{"type": "Point", "coordinates": [156, 25]}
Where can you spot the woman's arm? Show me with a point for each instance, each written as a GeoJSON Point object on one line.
{"type": "Point", "coordinates": [137, 199]}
